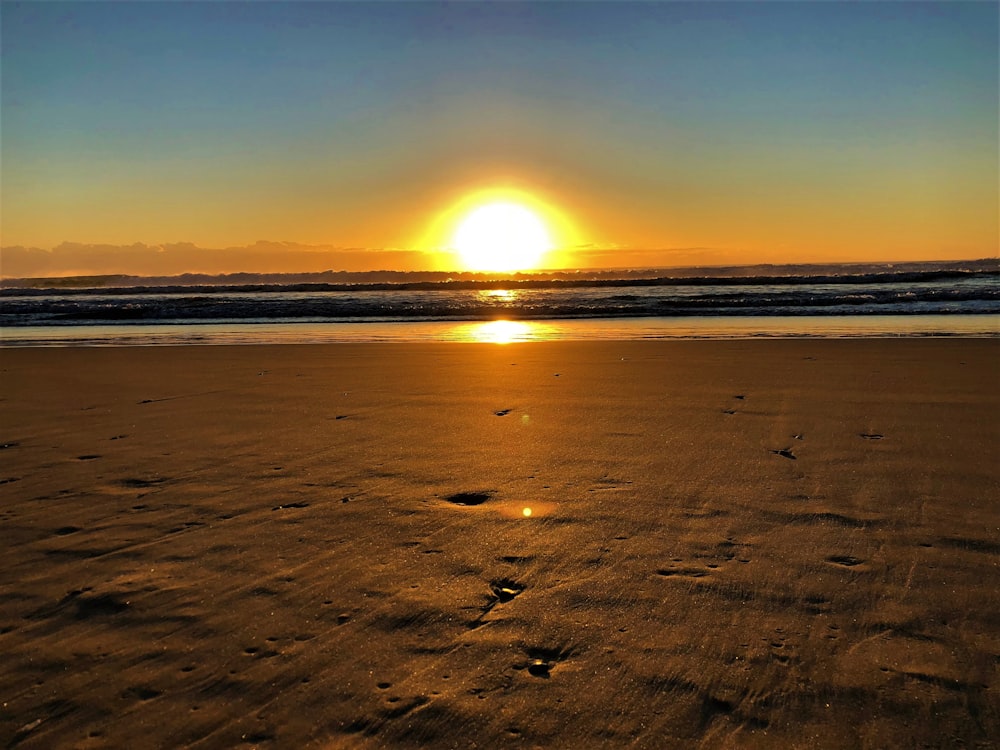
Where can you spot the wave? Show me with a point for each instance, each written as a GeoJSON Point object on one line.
{"type": "Point", "coordinates": [986, 270]}
{"type": "Point", "coordinates": [969, 287]}
{"type": "Point", "coordinates": [342, 281]}
{"type": "Point", "coordinates": [962, 295]}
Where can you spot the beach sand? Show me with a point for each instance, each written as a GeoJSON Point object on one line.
{"type": "Point", "coordinates": [730, 544]}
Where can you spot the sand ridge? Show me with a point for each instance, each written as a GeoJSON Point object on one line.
{"type": "Point", "coordinates": [729, 544]}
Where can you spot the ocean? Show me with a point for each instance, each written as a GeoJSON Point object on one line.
{"type": "Point", "coordinates": [918, 299]}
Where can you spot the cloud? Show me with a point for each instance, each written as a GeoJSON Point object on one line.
{"type": "Point", "coordinates": [77, 259]}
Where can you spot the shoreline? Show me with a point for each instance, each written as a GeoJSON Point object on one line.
{"type": "Point", "coordinates": [508, 331]}
{"type": "Point", "coordinates": [739, 543]}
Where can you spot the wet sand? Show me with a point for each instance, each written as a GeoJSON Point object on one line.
{"type": "Point", "coordinates": [730, 544]}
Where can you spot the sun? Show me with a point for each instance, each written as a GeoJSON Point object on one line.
{"type": "Point", "coordinates": [501, 236]}
{"type": "Point", "coordinates": [500, 229]}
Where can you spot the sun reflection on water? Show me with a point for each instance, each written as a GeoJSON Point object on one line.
{"type": "Point", "coordinates": [498, 295]}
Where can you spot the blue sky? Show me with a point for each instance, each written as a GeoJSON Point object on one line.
{"type": "Point", "coordinates": [826, 130]}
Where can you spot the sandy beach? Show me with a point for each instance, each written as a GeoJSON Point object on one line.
{"type": "Point", "coordinates": [780, 544]}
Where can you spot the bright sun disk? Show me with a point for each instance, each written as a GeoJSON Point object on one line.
{"type": "Point", "coordinates": [501, 236]}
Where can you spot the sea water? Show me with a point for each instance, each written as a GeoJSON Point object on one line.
{"type": "Point", "coordinates": [639, 305]}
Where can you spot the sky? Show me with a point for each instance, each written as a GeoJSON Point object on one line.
{"type": "Point", "coordinates": [270, 136]}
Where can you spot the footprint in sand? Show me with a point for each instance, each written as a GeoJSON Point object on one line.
{"type": "Point", "coordinates": [517, 559]}
{"type": "Point", "coordinates": [543, 660]}
{"type": "Point", "coordinates": [846, 561]}
{"type": "Point", "coordinates": [504, 590]}
{"type": "Point", "coordinates": [781, 652]}
{"type": "Point", "coordinates": [785, 453]}
{"type": "Point", "coordinates": [142, 692]}
{"type": "Point", "coordinates": [100, 605]}
{"type": "Point", "coordinates": [683, 572]}
{"type": "Point", "coordinates": [738, 397]}
{"type": "Point", "coordinates": [539, 668]}
{"type": "Point", "coordinates": [470, 498]}
{"type": "Point", "coordinates": [138, 483]}
{"type": "Point", "coordinates": [724, 552]}
{"type": "Point", "coordinates": [501, 592]}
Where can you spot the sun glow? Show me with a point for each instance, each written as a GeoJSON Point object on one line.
{"type": "Point", "coordinates": [500, 230]}
{"type": "Point", "coordinates": [501, 236]}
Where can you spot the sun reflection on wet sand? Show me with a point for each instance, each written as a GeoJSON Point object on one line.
{"type": "Point", "coordinates": [525, 510]}
{"type": "Point", "coordinates": [503, 332]}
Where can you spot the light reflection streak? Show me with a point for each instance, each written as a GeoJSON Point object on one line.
{"type": "Point", "coordinates": [503, 332]}
{"type": "Point", "coordinates": [499, 295]}
{"type": "Point", "coordinates": [596, 329]}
